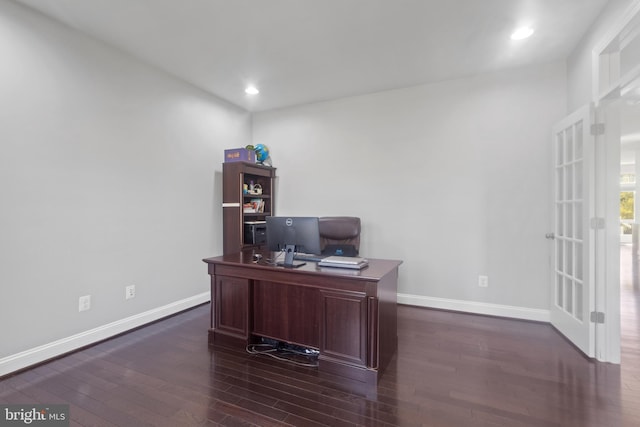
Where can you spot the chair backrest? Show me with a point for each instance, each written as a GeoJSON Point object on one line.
{"type": "Point", "coordinates": [340, 230]}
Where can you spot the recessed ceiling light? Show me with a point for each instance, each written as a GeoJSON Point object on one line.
{"type": "Point", "coordinates": [251, 90]}
{"type": "Point", "coordinates": [522, 33]}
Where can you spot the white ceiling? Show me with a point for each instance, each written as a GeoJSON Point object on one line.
{"type": "Point", "coordinates": [301, 51]}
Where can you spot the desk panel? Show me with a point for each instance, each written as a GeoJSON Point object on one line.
{"type": "Point", "coordinates": [232, 308]}
{"type": "Point", "coordinates": [286, 312]}
{"type": "Point", "coordinates": [344, 327]}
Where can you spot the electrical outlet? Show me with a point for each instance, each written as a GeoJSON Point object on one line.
{"type": "Point", "coordinates": [84, 303]}
{"type": "Point", "coordinates": [130, 292]}
{"type": "Point", "coordinates": [483, 281]}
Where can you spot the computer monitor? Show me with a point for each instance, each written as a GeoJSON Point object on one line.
{"type": "Point", "coordinates": [291, 235]}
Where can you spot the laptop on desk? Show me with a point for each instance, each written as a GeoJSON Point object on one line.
{"type": "Point", "coordinates": [344, 262]}
{"type": "Point", "coordinates": [329, 250]}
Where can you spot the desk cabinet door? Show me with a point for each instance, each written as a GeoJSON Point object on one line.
{"type": "Point", "coordinates": [286, 312]}
{"type": "Point", "coordinates": [344, 326]}
{"type": "Point", "coordinates": [231, 306]}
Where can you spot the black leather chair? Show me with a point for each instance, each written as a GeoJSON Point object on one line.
{"type": "Point", "coordinates": [340, 235]}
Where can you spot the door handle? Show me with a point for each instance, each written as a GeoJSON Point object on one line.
{"type": "Point", "coordinates": [550, 236]}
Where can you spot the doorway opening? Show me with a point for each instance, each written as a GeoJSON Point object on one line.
{"type": "Point", "coordinates": [616, 94]}
{"type": "Point", "coordinates": [629, 121]}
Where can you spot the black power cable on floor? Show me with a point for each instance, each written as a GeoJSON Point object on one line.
{"type": "Point", "coordinates": [286, 353]}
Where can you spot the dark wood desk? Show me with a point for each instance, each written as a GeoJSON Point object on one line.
{"type": "Point", "coordinates": [350, 316]}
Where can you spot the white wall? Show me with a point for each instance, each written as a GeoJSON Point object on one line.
{"type": "Point", "coordinates": [579, 63]}
{"type": "Point", "coordinates": [109, 176]}
{"type": "Point", "coordinates": [452, 178]}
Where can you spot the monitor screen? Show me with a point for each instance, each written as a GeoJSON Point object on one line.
{"type": "Point", "coordinates": [293, 234]}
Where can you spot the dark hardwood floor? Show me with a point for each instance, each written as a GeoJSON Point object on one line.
{"type": "Point", "coordinates": [451, 369]}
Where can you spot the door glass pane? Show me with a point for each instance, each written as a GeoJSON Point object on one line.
{"type": "Point", "coordinates": [559, 290]}
{"type": "Point", "coordinates": [578, 308]}
{"type": "Point", "coordinates": [568, 261]}
{"type": "Point", "coordinates": [579, 265]}
{"type": "Point", "coordinates": [578, 143]}
{"type": "Point", "coordinates": [560, 184]}
{"type": "Point", "coordinates": [560, 149]}
{"type": "Point", "coordinates": [579, 224]}
{"type": "Point", "coordinates": [560, 220]}
{"type": "Point", "coordinates": [569, 145]}
{"type": "Point", "coordinates": [569, 224]}
{"type": "Point", "coordinates": [569, 182]}
{"type": "Point", "coordinates": [568, 297]}
{"type": "Point", "coordinates": [559, 257]}
{"type": "Point", "coordinates": [578, 176]}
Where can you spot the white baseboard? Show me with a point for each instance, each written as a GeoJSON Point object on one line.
{"type": "Point", "coordinates": [476, 307]}
{"type": "Point", "coordinates": [48, 351]}
{"type": "Point", "coordinates": [51, 350]}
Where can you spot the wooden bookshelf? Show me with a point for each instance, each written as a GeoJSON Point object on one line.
{"type": "Point", "coordinates": [235, 175]}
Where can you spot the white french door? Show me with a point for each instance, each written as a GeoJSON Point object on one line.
{"type": "Point", "coordinates": [573, 255]}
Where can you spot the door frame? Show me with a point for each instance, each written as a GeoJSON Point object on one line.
{"type": "Point", "coordinates": [608, 240]}
{"type": "Point", "coordinates": [609, 83]}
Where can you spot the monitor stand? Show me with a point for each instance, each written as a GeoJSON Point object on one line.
{"type": "Point", "coordinates": [289, 251]}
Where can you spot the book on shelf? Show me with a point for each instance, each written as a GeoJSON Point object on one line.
{"type": "Point", "coordinates": [254, 206]}
{"type": "Point", "coordinates": [258, 205]}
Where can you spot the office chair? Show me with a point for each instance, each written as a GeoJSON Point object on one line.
{"type": "Point", "coordinates": [340, 235]}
